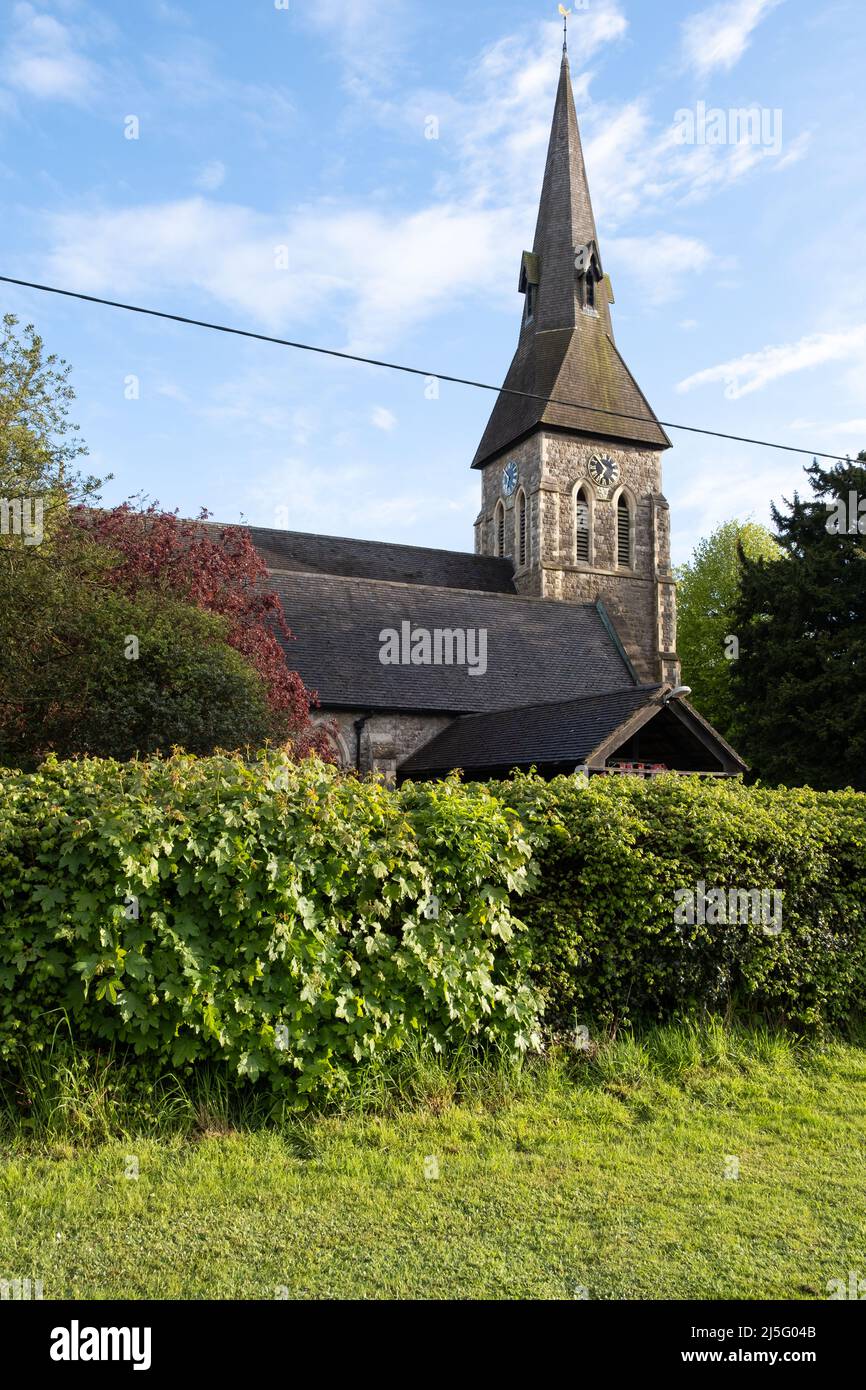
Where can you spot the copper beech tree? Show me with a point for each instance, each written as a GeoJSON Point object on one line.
{"type": "Point", "coordinates": [218, 570]}
{"type": "Point", "coordinates": [76, 581]}
{"type": "Point", "coordinates": [127, 633]}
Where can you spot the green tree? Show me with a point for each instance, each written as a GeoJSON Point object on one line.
{"type": "Point", "coordinates": [86, 668]}
{"type": "Point", "coordinates": [708, 588]}
{"type": "Point", "coordinates": [39, 443]}
{"type": "Point", "coordinates": [799, 686]}
{"type": "Point", "coordinates": [122, 633]}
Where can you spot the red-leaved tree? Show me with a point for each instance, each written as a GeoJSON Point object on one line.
{"type": "Point", "coordinates": [217, 569]}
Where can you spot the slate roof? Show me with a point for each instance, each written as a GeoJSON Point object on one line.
{"type": "Point", "coordinates": [404, 564]}
{"type": "Point", "coordinates": [582, 364]}
{"type": "Point", "coordinates": [565, 731]}
{"type": "Point", "coordinates": [538, 650]}
{"type": "Point", "coordinates": [563, 350]}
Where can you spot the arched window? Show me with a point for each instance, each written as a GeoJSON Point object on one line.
{"type": "Point", "coordinates": [522, 546]}
{"type": "Point", "coordinates": [499, 530]}
{"type": "Point", "coordinates": [589, 289]}
{"type": "Point", "coordinates": [335, 741]}
{"type": "Point", "coordinates": [623, 533]}
{"type": "Point", "coordinates": [581, 528]}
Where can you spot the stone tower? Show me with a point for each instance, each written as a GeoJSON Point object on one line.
{"type": "Point", "coordinates": [571, 456]}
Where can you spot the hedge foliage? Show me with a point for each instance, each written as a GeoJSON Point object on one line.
{"type": "Point", "coordinates": [609, 856]}
{"type": "Point", "coordinates": [291, 921]}
{"type": "Point", "coordinates": [297, 924]}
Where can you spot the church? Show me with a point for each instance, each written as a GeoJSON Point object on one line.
{"type": "Point", "coordinates": [553, 645]}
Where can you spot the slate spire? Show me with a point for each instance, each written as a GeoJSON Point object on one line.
{"type": "Point", "coordinates": [566, 347]}
{"type": "Point", "coordinates": [565, 220]}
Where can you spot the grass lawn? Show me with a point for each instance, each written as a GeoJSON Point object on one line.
{"type": "Point", "coordinates": [608, 1177]}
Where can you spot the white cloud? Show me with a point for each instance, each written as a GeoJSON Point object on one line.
{"type": "Point", "coordinates": [211, 176]}
{"type": "Point", "coordinates": [172, 14]}
{"type": "Point", "coordinates": [368, 35]}
{"type": "Point", "coordinates": [372, 270]}
{"type": "Point", "coordinates": [853, 432]}
{"type": "Point", "coordinates": [796, 151]}
{"type": "Point", "coordinates": [755, 370]}
{"type": "Point", "coordinates": [660, 262]}
{"type": "Point", "coordinates": [172, 392]}
{"type": "Point", "coordinates": [348, 499]}
{"type": "Point", "coordinates": [383, 418]}
{"type": "Point", "coordinates": [189, 78]}
{"type": "Point", "coordinates": [847, 427]}
{"type": "Point", "coordinates": [725, 482]}
{"type": "Point", "coordinates": [370, 267]}
{"type": "Point", "coordinates": [42, 59]}
{"type": "Point", "coordinates": [501, 124]}
{"type": "Point", "coordinates": [719, 36]}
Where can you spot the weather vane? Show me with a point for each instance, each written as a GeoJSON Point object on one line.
{"type": "Point", "coordinates": [565, 13]}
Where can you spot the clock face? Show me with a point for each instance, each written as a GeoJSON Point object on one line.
{"type": "Point", "coordinates": [509, 478]}
{"type": "Point", "coordinates": [603, 470]}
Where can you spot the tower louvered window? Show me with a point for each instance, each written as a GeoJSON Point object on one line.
{"type": "Point", "coordinates": [581, 529]}
{"type": "Point", "coordinates": [521, 529]}
{"type": "Point", "coordinates": [499, 536]}
{"type": "Point", "coordinates": [589, 293]}
{"type": "Point", "coordinates": [623, 533]}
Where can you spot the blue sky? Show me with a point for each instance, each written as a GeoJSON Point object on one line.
{"type": "Point", "coordinates": [282, 180]}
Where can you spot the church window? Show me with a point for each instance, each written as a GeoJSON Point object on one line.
{"type": "Point", "coordinates": [581, 528]}
{"type": "Point", "coordinates": [530, 300]}
{"type": "Point", "coordinates": [499, 530]}
{"type": "Point", "coordinates": [589, 289]}
{"type": "Point", "coordinates": [623, 533]}
{"type": "Point", "coordinates": [522, 548]}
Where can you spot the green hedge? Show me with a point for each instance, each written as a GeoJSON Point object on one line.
{"type": "Point", "coordinates": [609, 857]}
{"type": "Point", "coordinates": [297, 924]}
{"type": "Point", "coordinates": [291, 921]}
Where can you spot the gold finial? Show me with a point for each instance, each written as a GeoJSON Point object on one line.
{"type": "Point", "coordinates": [565, 13]}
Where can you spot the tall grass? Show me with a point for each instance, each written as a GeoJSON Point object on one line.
{"type": "Point", "coordinates": [68, 1095]}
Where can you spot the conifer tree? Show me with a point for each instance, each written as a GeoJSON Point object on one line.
{"type": "Point", "coordinates": [799, 685]}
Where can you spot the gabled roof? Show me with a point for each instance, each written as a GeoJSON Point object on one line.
{"type": "Point", "coordinates": [528, 271]}
{"type": "Point", "coordinates": [561, 735]}
{"type": "Point", "coordinates": [565, 731]}
{"type": "Point", "coordinates": [537, 650]}
{"type": "Point", "coordinates": [564, 350]}
{"type": "Point", "coordinates": [404, 564]}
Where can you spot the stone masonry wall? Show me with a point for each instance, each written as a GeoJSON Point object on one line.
{"type": "Point", "coordinates": [386, 739]}
{"type": "Point", "coordinates": [640, 600]}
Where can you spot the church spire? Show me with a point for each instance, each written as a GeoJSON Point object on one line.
{"type": "Point", "coordinates": [565, 225]}
{"type": "Point", "coordinates": [566, 348]}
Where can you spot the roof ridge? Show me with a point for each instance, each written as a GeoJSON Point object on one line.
{"type": "Point", "coordinates": [356, 540]}
{"type": "Point", "coordinates": [569, 700]}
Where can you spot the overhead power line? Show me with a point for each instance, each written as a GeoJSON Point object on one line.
{"type": "Point", "coordinates": [412, 371]}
